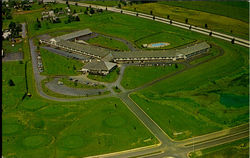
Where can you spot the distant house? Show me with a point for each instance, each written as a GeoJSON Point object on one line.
{"type": "Point", "coordinates": [6, 34]}
{"type": "Point", "coordinates": [47, 1]}
{"type": "Point", "coordinates": [98, 67]}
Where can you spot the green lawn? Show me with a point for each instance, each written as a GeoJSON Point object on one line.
{"type": "Point", "coordinates": [198, 18]}
{"type": "Point", "coordinates": [103, 2]}
{"type": "Point", "coordinates": [200, 96]}
{"type": "Point", "coordinates": [71, 83]}
{"type": "Point", "coordinates": [173, 38]}
{"type": "Point", "coordinates": [135, 76]}
{"type": "Point", "coordinates": [239, 148]}
{"type": "Point", "coordinates": [108, 43]}
{"type": "Point", "coordinates": [58, 65]}
{"type": "Point", "coordinates": [233, 9]}
{"type": "Point", "coordinates": [12, 95]}
{"type": "Point", "coordinates": [36, 127]}
{"type": "Point", "coordinates": [111, 77]}
{"type": "Point", "coordinates": [8, 48]}
{"type": "Point", "coordinates": [116, 89]}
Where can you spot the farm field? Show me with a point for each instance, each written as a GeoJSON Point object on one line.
{"type": "Point", "coordinates": [55, 64]}
{"type": "Point", "coordinates": [135, 76]}
{"type": "Point", "coordinates": [111, 77]}
{"type": "Point", "coordinates": [108, 43]}
{"type": "Point", "coordinates": [202, 93]}
{"type": "Point", "coordinates": [198, 18]}
{"type": "Point", "coordinates": [236, 10]}
{"type": "Point", "coordinates": [239, 148]}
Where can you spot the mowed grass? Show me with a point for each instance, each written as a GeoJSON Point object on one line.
{"type": "Point", "coordinates": [103, 2]}
{"type": "Point", "coordinates": [111, 77]}
{"type": "Point", "coordinates": [55, 64]}
{"type": "Point", "coordinates": [239, 148]}
{"type": "Point", "coordinates": [44, 127]}
{"type": "Point", "coordinates": [12, 95]}
{"type": "Point", "coordinates": [195, 96]}
{"type": "Point", "coordinates": [173, 38]}
{"type": "Point", "coordinates": [233, 9]}
{"type": "Point", "coordinates": [8, 48]}
{"type": "Point", "coordinates": [198, 18]}
{"type": "Point", "coordinates": [76, 84]}
{"type": "Point", "coordinates": [108, 43]}
{"type": "Point", "coordinates": [135, 76]}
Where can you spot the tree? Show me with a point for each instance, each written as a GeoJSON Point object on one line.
{"type": "Point", "coordinates": [134, 9]}
{"type": "Point", "coordinates": [176, 65]}
{"type": "Point", "coordinates": [11, 83]}
{"type": "Point", "coordinates": [190, 27]}
{"type": "Point", "coordinates": [92, 11]}
{"type": "Point", "coordinates": [121, 11]}
{"type": "Point", "coordinates": [119, 5]}
{"type": "Point", "coordinates": [210, 34]}
{"type": "Point", "coordinates": [86, 11]}
{"type": "Point", "coordinates": [74, 11]}
{"type": "Point", "coordinates": [233, 41]}
{"type": "Point", "coordinates": [153, 17]}
{"type": "Point", "coordinates": [77, 18]}
{"type": "Point", "coordinates": [137, 14]}
{"type": "Point", "coordinates": [76, 4]}
{"type": "Point", "coordinates": [206, 26]}
{"type": "Point", "coordinates": [168, 17]}
{"type": "Point", "coordinates": [171, 22]}
{"type": "Point", "coordinates": [67, 2]}
{"type": "Point", "coordinates": [151, 12]}
{"type": "Point", "coordinates": [186, 21]}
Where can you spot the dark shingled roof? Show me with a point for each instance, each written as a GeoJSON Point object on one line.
{"type": "Point", "coordinates": [73, 35]}
{"type": "Point", "coordinates": [99, 65]}
{"type": "Point", "coordinates": [97, 51]}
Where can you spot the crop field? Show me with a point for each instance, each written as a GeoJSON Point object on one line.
{"type": "Point", "coordinates": [111, 77]}
{"type": "Point", "coordinates": [233, 9]}
{"type": "Point", "coordinates": [108, 43]}
{"type": "Point", "coordinates": [174, 38]}
{"type": "Point", "coordinates": [213, 96]}
{"type": "Point", "coordinates": [55, 64]}
{"type": "Point", "coordinates": [135, 76]}
{"type": "Point", "coordinates": [239, 148]}
{"type": "Point", "coordinates": [198, 18]}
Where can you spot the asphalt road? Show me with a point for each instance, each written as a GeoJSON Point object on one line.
{"type": "Point", "coordinates": [215, 34]}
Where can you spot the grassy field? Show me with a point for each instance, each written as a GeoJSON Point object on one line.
{"type": "Point", "coordinates": [198, 18]}
{"type": "Point", "coordinates": [71, 83]}
{"type": "Point", "coordinates": [116, 89]}
{"type": "Point", "coordinates": [200, 95]}
{"type": "Point", "coordinates": [108, 43]}
{"type": "Point", "coordinates": [58, 65]}
{"type": "Point", "coordinates": [104, 2]}
{"type": "Point", "coordinates": [135, 76]}
{"type": "Point", "coordinates": [36, 127]}
{"type": "Point", "coordinates": [239, 148]}
{"type": "Point", "coordinates": [233, 9]}
{"type": "Point", "coordinates": [111, 77]}
{"type": "Point", "coordinates": [174, 38]}
{"type": "Point", "coordinates": [8, 48]}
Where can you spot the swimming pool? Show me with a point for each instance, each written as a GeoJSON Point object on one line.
{"type": "Point", "coordinates": [158, 44]}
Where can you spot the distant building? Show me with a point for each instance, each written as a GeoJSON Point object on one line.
{"type": "Point", "coordinates": [6, 34]}
{"type": "Point", "coordinates": [98, 67]}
